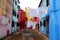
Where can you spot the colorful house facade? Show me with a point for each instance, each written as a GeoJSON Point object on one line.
{"type": "Point", "coordinates": [5, 17]}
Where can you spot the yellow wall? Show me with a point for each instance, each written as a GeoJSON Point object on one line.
{"type": "Point", "coordinates": [29, 17]}
{"type": "Point", "coordinates": [2, 8]}
{"type": "Point", "coordinates": [6, 8]}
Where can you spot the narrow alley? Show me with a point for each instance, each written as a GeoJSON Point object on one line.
{"type": "Point", "coordinates": [26, 35]}
{"type": "Point", "coordinates": [29, 19]}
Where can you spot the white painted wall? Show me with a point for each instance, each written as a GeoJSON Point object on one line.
{"type": "Point", "coordinates": [3, 28]}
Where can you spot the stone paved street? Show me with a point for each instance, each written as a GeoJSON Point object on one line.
{"type": "Point", "coordinates": [27, 35]}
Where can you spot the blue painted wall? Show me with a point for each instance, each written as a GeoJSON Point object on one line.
{"type": "Point", "coordinates": [40, 29]}
{"type": "Point", "coordinates": [16, 10]}
{"type": "Point", "coordinates": [54, 23]}
{"type": "Point", "coordinates": [15, 19]}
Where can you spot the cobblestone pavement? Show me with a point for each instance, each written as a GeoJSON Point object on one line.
{"type": "Point", "coordinates": [27, 35]}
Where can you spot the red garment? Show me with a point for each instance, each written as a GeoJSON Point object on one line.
{"type": "Point", "coordinates": [26, 19]}
{"type": "Point", "coordinates": [22, 25]}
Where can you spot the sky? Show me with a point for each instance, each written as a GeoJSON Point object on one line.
{"type": "Point", "coordinates": [29, 3]}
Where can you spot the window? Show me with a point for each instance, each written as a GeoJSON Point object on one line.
{"type": "Point", "coordinates": [18, 7]}
{"type": "Point", "coordinates": [40, 23]}
{"type": "Point", "coordinates": [14, 13]}
{"type": "Point", "coordinates": [12, 23]}
{"type": "Point", "coordinates": [44, 23]}
{"type": "Point", "coordinates": [9, 21]}
{"type": "Point", "coordinates": [15, 2]}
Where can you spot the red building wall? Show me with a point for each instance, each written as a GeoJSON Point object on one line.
{"type": "Point", "coordinates": [22, 16]}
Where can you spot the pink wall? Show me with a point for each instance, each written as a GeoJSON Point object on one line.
{"type": "Point", "coordinates": [36, 20]}
{"type": "Point", "coordinates": [3, 27]}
